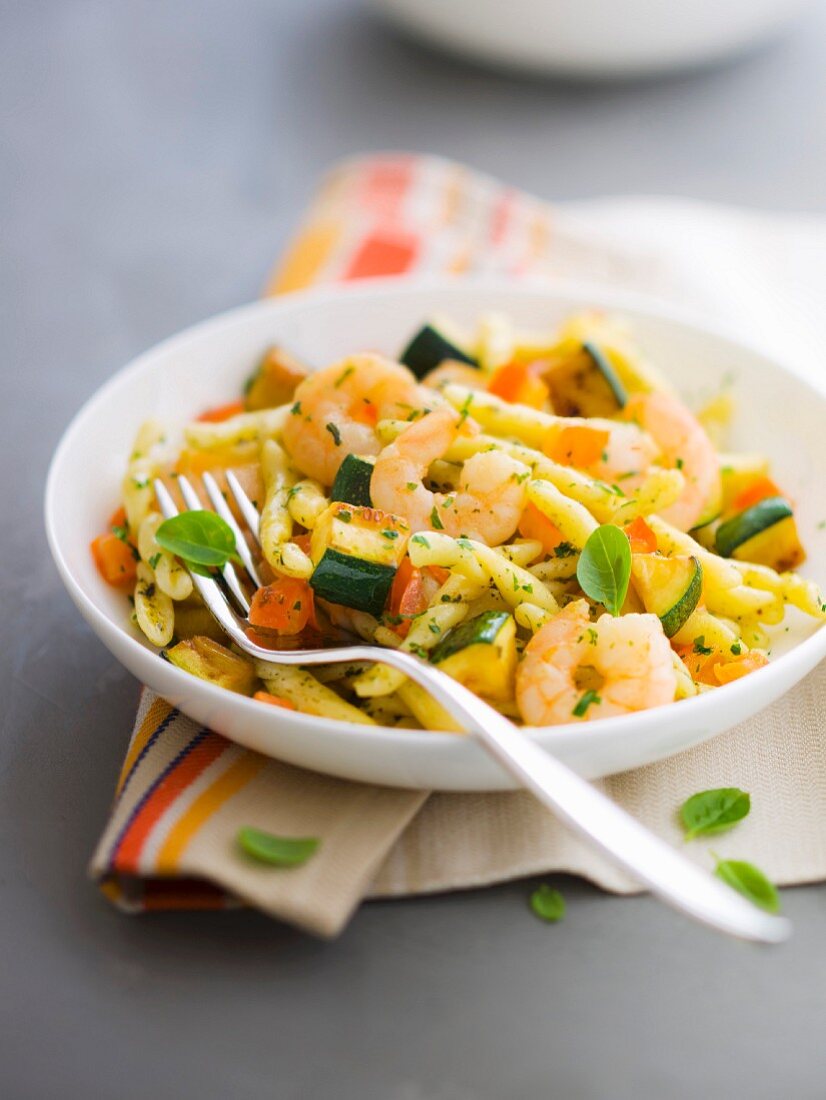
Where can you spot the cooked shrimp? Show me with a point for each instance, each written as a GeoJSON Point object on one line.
{"type": "Point", "coordinates": [336, 411]}
{"type": "Point", "coordinates": [574, 669]}
{"type": "Point", "coordinates": [684, 446]}
{"type": "Point", "coordinates": [490, 497]}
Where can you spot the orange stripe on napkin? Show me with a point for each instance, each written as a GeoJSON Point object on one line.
{"type": "Point", "coordinates": [204, 806]}
{"type": "Point", "coordinates": [189, 765]}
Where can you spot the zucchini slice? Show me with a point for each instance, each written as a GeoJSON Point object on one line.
{"type": "Point", "coordinates": [481, 654]}
{"type": "Point", "coordinates": [779, 547]}
{"type": "Point", "coordinates": [670, 588]}
{"type": "Point", "coordinates": [430, 347]}
{"type": "Point", "coordinates": [352, 482]}
{"type": "Point", "coordinates": [582, 381]}
{"type": "Point", "coordinates": [209, 660]}
{"type": "Point", "coordinates": [356, 552]}
{"type": "Point", "coordinates": [604, 367]}
{"type": "Point", "coordinates": [353, 582]}
{"type": "Point", "coordinates": [743, 527]}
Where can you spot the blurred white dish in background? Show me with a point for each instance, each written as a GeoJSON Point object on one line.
{"type": "Point", "coordinates": [592, 38]}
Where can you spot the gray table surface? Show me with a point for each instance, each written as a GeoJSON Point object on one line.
{"type": "Point", "coordinates": [155, 157]}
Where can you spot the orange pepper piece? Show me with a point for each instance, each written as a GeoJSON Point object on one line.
{"type": "Point", "coordinates": [728, 671]}
{"type": "Point", "coordinates": [578, 446]}
{"type": "Point", "coordinates": [642, 538]}
{"type": "Point", "coordinates": [114, 559]}
{"type": "Point", "coordinates": [286, 605]}
{"type": "Point", "coordinates": [274, 700]}
{"type": "Point", "coordinates": [518, 384]}
{"type": "Point", "coordinates": [752, 494]}
{"type": "Point", "coordinates": [534, 524]}
{"type": "Point", "coordinates": [222, 412]}
{"type": "Point", "coordinates": [407, 596]}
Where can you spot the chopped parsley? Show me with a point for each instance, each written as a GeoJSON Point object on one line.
{"type": "Point", "coordinates": [679, 463]}
{"type": "Point", "coordinates": [701, 647]}
{"type": "Point", "coordinates": [564, 550]}
{"type": "Point", "coordinates": [736, 649]}
{"type": "Point", "coordinates": [334, 432]}
{"type": "Point", "coordinates": [388, 534]}
{"type": "Point", "coordinates": [420, 540]}
{"type": "Point", "coordinates": [345, 374]}
{"type": "Point", "coordinates": [296, 409]}
{"type": "Point", "coordinates": [153, 561]}
{"type": "Point", "coordinates": [585, 701]}
{"type": "Point", "coordinates": [435, 521]}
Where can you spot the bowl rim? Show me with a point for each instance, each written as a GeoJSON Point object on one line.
{"type": "Point", "coordinates": [806, 653]}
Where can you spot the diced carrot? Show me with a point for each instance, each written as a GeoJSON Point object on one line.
{"type": "Point", "coordinates": [216, 458]}
{"type": "Point", "coordinates": [407, 596]}
{"type": "Point", "coordinates": [755, 492]}
{"type": "Point", "coordinates": [365, 412]}
{"type": "Point", "coordinates": [642, 538]}
{"type": "Point", "coordinates": [222, 412]}
{"type": "Point", "coordinates": [727, 671]}
{"type": "Point", "coordinates": [699, 665]}
{"type": "Point", "coordinates": [118, 518]}
{"type": "Point", "coordinates": [438, 573]}
{"type": "Point", "coordinates": [114, 559]}
{"type": "Point", "coordinates": [286, 606]}
{"type": "Point", "coordinates": [274, 700]}
{"type": "Point", "coordinates": [518, 383]}
{"type": "Point", "coordinates": [534, 524]}
{"type": "Point", "coordinates": [578, 446]}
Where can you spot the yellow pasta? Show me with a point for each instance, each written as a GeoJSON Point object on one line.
{"type": "Point", "coordinates": [490, 531]}
{"type": "Point", "coordinates": [308, 694]}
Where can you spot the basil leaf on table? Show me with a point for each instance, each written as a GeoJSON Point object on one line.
{"type": "Point", "coordinates": [548, 904]}
{"type": "Point", "coordinates": [279, 851]}
{"type": "Point", "coordinates": [200, 538]}
{"type": "Point", "coordinates": [749, 881]}
{"type": "Point", "coordinates": [714, 811]}
{"type": "Point", "coordinates": [604, 567]}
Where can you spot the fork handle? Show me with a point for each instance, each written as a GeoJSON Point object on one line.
{"type": "Point", "coordinates": [646, 857]}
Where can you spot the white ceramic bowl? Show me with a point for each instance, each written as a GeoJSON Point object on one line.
{"type": "Point", "coordinates": [777, 413]}
{"type": "Point", "coordinates": [592, 38]}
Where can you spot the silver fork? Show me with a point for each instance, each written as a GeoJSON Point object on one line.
{"type": "Point", "coordinates": [643, 855]}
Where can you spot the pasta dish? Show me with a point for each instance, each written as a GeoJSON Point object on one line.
{"type": "Point", "coordinates": [539, 515]}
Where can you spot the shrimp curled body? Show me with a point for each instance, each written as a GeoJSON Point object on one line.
{"type": "Point", "coordinates": [490, 497]}
{"type": "Point", "coordinates": [683, 445]}
{"type": "Point", "coordinates": [336, 411]}
{"type": "Point", "coordinates": [626, 663]}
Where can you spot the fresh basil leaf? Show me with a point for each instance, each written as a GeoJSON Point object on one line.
{"type": "Point", "coordinates": [548, 904]}
{"type": "Point", "coordinates": [279, 851]}
{"type": "Point", "coordinates": [604, 567]}
{"type": "Point", "coordinates": [750, 882]}
{"type": "Point", "coordinates": [199, 538]}
{"type": "Point", "coordinates": [714, 811]}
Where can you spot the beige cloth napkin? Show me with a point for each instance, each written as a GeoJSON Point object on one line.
{"type": "Point", "coordinates": [185, 792]}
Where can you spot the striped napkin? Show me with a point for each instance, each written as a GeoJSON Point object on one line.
{"type": "Point", "coordinates": [184, 791]}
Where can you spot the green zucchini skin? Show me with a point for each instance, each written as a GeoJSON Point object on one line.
{"type": "Point", "coordinates": [746, 525]}
{"type": "Point", "coordinates": [352, 582]}
{"type": "Point", "coordinates": [481, 630]}
{"type": "Point", "coordinates": [352, 482]}
{"type": "Point", "coordinates": [607, 371]}
{"type": "Point", "coordinates": [429, 348]}
{"type": "Point", "coordinates": [676, 616]}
